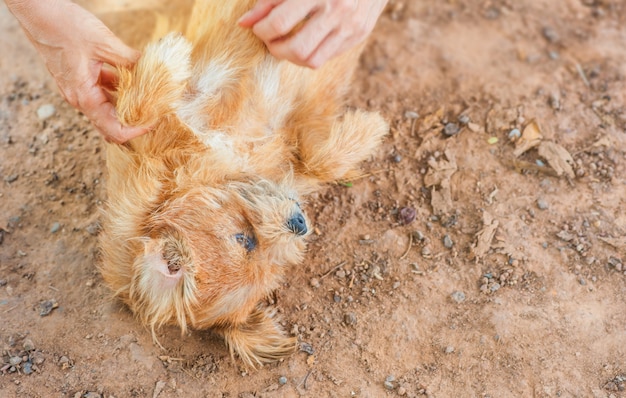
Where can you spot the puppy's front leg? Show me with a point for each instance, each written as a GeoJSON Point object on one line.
{"type": "Point", "coordinates": [154, 86]}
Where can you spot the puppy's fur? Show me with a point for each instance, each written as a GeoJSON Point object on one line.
{"type": "Point", "coordinates": [203, 215]}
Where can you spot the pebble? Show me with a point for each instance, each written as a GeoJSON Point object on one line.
{"type": "Point", "coordinates": [397, 158]}
{"type": "Point", "coordinates": [411, 115]}
{"type": "Point", "coordinates": [349, 318]}
{"type": "Point", "coordinates": [457, 296]}
{"type": "Point", "coordinates": [542, 204]}
{"type": "Point", "coordinates": [389, 382]}
{"type": "Point", "coordinates": [451, 129]}
{"type": "Point", "coordinates": [46, 111]}
{"type": "Point", "coordinates": [28, 345]}
{"type": "Point", "coordinates": [282, 380]}
{"type": "Point", "coordinates": [27, 368]}
{"type": "Point", "coordinates": [46, 307]}
{"type": "Point", "coordinates": [495, 287]}
{"type": "Point", "coordinates": [449, 349]}
{"type": "Point", "coordinates": [93, 228]}
{"type": "Point", "coordinates": [447, 242]}
{"type": "Point", "coordinates": [308, 348]}
{"type": "Point", "coordinates": [14, 361]}
{"type": "Point", "coordinates": [401, 391]}
{"type": "Point", "coordinates": [37, 358]}
{"type": "Point", "coordinates": [315, 283]}
{"type": "Point", "coordinates": [55, 228]}
{"type": "Point", "coordinates": [582, 281]}
{"type": "Point", "coordinates": [11, 178]}
{"type": "Point", "coordinates": [92, 394]}
{"type": "Point", "coordinates": [464, 119]}
{"type": "Point", "coordinates": [514, 134]}
{"type": "Point", "coordinates": [407, 215]}
{"type": "Point", "coordinates": [550, 34]}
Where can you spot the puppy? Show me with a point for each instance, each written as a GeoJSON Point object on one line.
{"type": "Point", "coordinates": [203, 212]}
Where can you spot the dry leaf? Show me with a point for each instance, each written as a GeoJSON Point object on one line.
{"type": "Point", "coordinates": [440, 170]}
{"type": "Point", "coordinates": [484, 237]}
{"type": "Point", "coordinates": [557, 157]}
{"type": "Point", "coordinates": [531, 137]}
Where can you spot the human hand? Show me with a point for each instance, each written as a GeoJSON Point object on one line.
{"type": "Point", "coordinates": [329, 27]}
{"type": "Point", "coordinates": [75, 46]}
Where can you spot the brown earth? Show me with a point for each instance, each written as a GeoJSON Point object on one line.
{"type": "Point", "coordinates": [526, 297]}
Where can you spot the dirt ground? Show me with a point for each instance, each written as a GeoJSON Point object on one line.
{"type": "Point", "coordinates": [507, 144]}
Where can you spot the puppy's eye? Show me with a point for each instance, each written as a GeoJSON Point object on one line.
{"type": "Point", "coordinates": [247, 242]}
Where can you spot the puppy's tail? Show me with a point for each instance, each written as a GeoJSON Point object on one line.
{"type": "Point", "coordinates": [153, 87]}
{"type": "Point", "coordinates": [351, 140]}
{"type": "Point", "coordinates": [259, 340]}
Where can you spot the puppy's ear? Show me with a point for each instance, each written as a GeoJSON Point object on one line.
{"type": "Point", "coordinates": [153, 88]}
{"type": "Point", "coordinates": [159, 270]}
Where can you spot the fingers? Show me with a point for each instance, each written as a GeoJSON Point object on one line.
{"type": "Point", "coordinates": [282, 20]}
{"type": "Point", "coordinates": [260, 10]}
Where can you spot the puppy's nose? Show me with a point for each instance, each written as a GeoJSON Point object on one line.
{"type": "Point", "coordinates": [297, 224]}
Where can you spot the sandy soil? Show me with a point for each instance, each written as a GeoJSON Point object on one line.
{"type": "Point", "coordinates": [510, 282]}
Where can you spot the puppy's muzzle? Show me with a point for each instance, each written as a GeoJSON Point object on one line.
{"type": "Point", "coordinates": [297, 224]}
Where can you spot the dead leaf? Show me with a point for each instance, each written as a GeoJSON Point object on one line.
{"type": "Point", "coordinates": [557, 157]}
{"type": "Point", "coordinates": [531, 137]}
{"type": "Point", "coordinates": [440, 170]}
{"type": "Point", "coordinates": [432, 120]}
{"type": "Point", "coordinates": [484, 237]}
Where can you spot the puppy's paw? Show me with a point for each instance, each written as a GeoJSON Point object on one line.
{"type": "Point", "coordinates": [259, 340]}
{"type": "Point", "coordinates": [153, 88]}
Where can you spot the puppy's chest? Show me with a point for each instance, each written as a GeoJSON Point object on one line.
{"type": "Point", "coordinates": [241, 117]}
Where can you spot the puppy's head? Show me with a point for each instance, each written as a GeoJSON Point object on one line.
{"type": "Point", "coordinates": [211, 254]}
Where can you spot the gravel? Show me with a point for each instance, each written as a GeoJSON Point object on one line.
{"type": "Point", "coordinates": [451, 129]}
{"type": "Point", "coordinates": [282, 380]}
{"type": "Point", "coordinates": [55, 228]}
{"type": "Point", "coordinates": [406, 215]}
{"type": "Point", "coordinates": [46, 111]}
{"type": "Point", "coordinates": [447, 242]}
{"type": "Point", "coordinates": [542, 204]}
{"type": "Point", "coordinates": [458, 297]}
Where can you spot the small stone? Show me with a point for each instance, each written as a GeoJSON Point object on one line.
{"type": "Point", "coordinates": [46, 307]}
{"type": "Point", "coordinates": [492, 140]}
{"type": "Point", "coordinates": [397, 158]}
{"type": "Point", "coordinates": [401, 391]}
{"type": "Point", "coordinates": [426, 252]}
{"type": "Point", "coordinates": [350, 318]}
{"type": "Point", "coordinates": [407, 215]}
{"type": "Point", "coordinates": [314, 282]}
{"type": "Point", "coordinates": [282, 380]}
{"type": "Point", "coordinates": [447, 242]}
{"type": "Point", "coordinates": [411, 115]}
{"type": "Point", "coordinates": [27, 368]}
{"type": "Point", "coordinates": [37, 357]}
{"type": "Point", "coordinates": [449, 349]}
{"type": "Point", "coordinates": [308, 348]}
{"type": "Point", "coordinates": [55, 228]}
{"type": "Point", "coordinates": [93, 228]}
{"type": "Point", "coordinates": [550, 34]}
{"type": "Point", "coordinates": [464, 119]}
{"type": "Point", "coordinates": [542, 204]}
{"type": "Point", "coordinates": [582, 281]}
{"type": "Point", "coordinates": [14, 361]}
{"type": "Point", "coordinates": [340, 274]}
{"type": "Point", "coordinates": [451, 129]}
{"type": "Point", "coordinates": [28, 345]}
{"type": "Point", "coordinates": [418, 236]}
{"type": "Point", "coordinates": [11, 178]}
{"type": "Point", "coordinates": [92, 394]}
{"type": "Point", "coordinates": [514, 134]}
{"type": "Point", "coordinates": [46, 111]}
{"type": "Point", "coordinates": [495, 287]}
{"type": "Point", "coordinates": [457, 296]}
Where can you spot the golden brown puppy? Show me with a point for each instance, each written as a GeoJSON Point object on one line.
{"type": "Point", "coordinates": [203, 215]}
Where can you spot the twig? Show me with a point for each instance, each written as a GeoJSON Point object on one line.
{"type": "Point", "coordinates": [53, 288]}
{"type": "Point", "coordinates": [341, 264]}
{"type": "Point", "coordinates": [581, 72]}
{"type": "Point", "coordinates": [408, 249]}
{"type": "Point", "coordinates": [305, 379]}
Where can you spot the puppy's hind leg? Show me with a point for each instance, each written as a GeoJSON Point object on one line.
{"type": "Point", "coordinates": [352, 139]}
{"type": "Point", "coordinates": [259, 340]}
{"type": "Point", "coordinates": [154, 86]}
